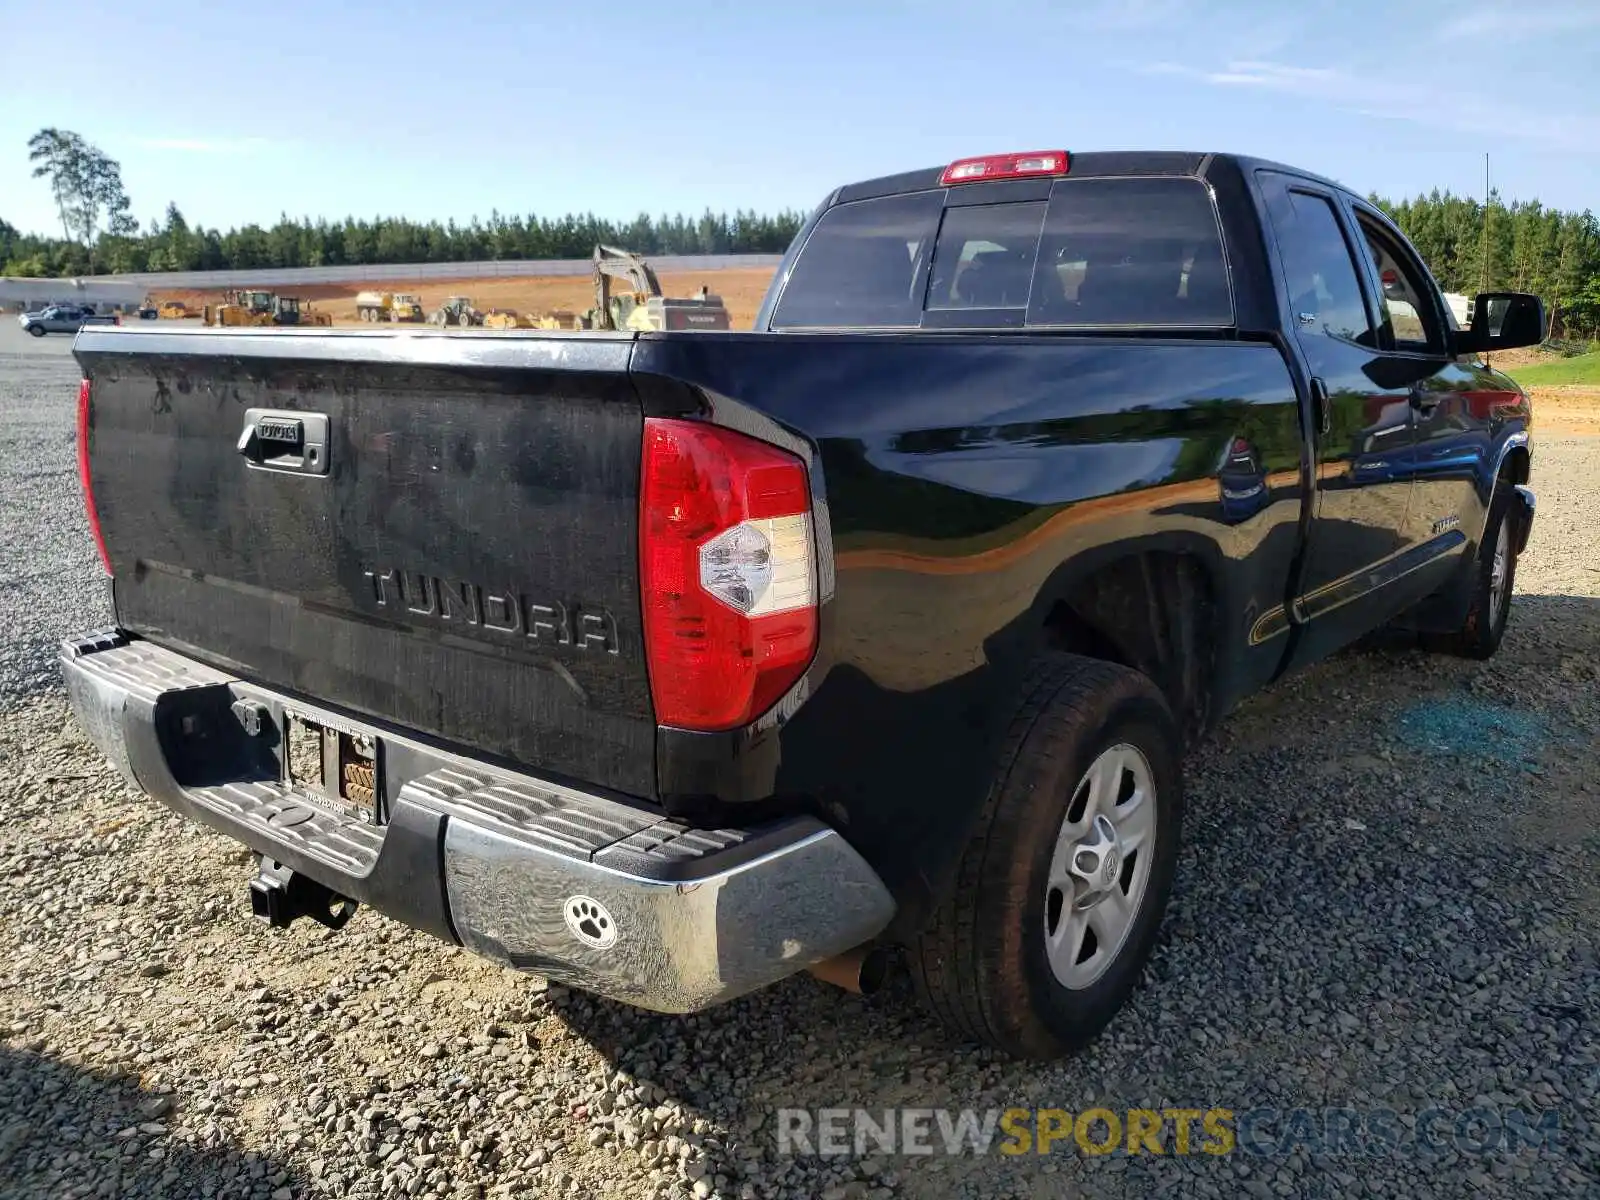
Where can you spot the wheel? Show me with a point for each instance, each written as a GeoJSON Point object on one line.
{"type": "Point", "coordinates": [36, 330]}
{"type": "Point", "coordinates": [1060, 892]}
{"type": "Point", "coordinates": [1494, 577]}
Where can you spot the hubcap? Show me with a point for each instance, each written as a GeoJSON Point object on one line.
{"type": "Point", "coordinates": [1100, 866]}
{"type": "Point", "coordinates": [1498, 570]}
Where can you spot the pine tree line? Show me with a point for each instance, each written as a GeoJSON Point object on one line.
{"type": "Point", "coordinates": [1529, 248]}
{"type": "Point", "coordinates": [173, 244]}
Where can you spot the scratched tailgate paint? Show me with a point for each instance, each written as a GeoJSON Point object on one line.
{"type": "Point", "coordinates": [466, 568]}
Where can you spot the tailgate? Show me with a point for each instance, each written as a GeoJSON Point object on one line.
{"type": "Point", "coordinates": [435, 531]}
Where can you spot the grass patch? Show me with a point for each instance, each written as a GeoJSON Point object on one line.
{"type": "Point", "coordinates": [1583, 370]}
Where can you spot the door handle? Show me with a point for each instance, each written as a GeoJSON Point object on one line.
{"type": "Point", "coordinates": [279, 439]}
{"type": "Point", "coordinates": [1321, 405]}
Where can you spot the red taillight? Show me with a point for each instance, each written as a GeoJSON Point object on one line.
{"type": "Point", "coordinates": [84, 478]}
{"type": "Point", "coordinates": [727, 573]}
{"type": "Point", "coordinates": [1006, 166]}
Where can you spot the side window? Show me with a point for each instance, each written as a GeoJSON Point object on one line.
{"type": "Point", "coordinates": [1402, 295]}
{"type": "Point", "coordinates": [1324, 287]}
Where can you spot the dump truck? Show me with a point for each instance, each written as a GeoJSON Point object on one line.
{"type": "Point", "coordinates": [374, 306]}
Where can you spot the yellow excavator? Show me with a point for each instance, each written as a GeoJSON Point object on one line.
{"type": "Point", "coordinates": [643, 307]}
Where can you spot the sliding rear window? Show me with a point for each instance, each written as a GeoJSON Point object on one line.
{"type": "Point", "coordinates": [1102, 252]}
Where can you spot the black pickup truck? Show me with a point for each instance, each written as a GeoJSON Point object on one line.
{"type": "Point", "coordinates": [671, 664]}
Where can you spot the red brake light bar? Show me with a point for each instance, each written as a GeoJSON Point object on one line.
{"type": "Point", "coordinates": [1006, 166]}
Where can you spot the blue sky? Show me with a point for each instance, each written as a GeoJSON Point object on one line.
{"type": "Point", "coordinates": [240, 111]}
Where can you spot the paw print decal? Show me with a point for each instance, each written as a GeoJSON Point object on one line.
{"type": "Point", "coordinates": [590, 923]}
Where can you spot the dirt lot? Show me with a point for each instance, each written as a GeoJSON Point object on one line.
{"type": "Point", "coordinates": [1388, 898]}
{"type": "Point", "coordinates": [741, 291]}
{"type": "Point", "coordinates": [1563, 411]}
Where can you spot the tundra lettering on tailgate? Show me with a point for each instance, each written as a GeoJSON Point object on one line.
{"type": "Point", "coordinates": [502, 610]}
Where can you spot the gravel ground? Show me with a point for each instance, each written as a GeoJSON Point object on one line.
{"type": "Point", "coordinates": [50, 581]}
{"type": "Point", "coordinates": [1388, 899]}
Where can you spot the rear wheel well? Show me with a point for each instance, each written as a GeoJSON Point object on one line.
{"type": "Point", "coordinates": [1154, 612]}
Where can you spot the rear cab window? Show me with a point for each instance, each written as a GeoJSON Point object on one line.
{"type": "Point", "coordinates": [1101, 252]}
{"type": "Point", "coordinates": [864, 266]}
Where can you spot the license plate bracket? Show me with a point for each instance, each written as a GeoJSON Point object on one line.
{"type": "Point", "coordinates": [334, 766]}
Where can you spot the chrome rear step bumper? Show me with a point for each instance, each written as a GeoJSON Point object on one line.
{"type": "Point", "coordinates": [600, 893]}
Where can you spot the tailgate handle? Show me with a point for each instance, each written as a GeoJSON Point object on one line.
{"type": "Point", "coordinates": [277, 439]}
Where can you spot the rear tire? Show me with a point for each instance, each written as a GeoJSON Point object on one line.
{"type": "Point", "coordinates": [1053, 914]}
{"type": "Point", "coordinates": [1494, 575]}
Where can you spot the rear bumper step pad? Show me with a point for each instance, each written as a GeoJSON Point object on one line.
{"type": "Point", "coordinates": [602, 894]}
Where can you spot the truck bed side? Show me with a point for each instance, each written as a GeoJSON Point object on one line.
{"type": "Point", "coordinates": [984, 496]}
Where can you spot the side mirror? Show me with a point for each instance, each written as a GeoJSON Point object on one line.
{"type": "Point", "coordinates": [1501, 321]}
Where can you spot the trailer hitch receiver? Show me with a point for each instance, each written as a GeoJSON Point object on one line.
{"type": "Point", "coordinates": [278, 896]}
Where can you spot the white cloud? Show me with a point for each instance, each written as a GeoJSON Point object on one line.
{"type": "Point", "coordinates": [1520, 23]}
{"type": "Point", "coordinates": [1271, 75]}
{"type": "Point", "coordinates": [1420, 99]}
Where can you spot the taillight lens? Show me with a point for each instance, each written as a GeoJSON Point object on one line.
{"type": "Point", "coordinates": [727, 572]}
{"type": "Point", "coordinates": [84, 478]}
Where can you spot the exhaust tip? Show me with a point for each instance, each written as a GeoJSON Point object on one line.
{"type": "Point", "coordinates": [862, 971]}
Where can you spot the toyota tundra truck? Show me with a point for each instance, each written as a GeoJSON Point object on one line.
{"type": "Point", "coordinates": [670, 664]}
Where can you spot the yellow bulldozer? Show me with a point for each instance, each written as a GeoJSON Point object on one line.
{"type": "Point", "coordinates": [288, 310]}
{"type": "Point", "coordinates": [507, 318]}
{"type": "Point", "coordinates": [643, 307]}
{"type": "Point", "coordinates": [240, 307]}
{"type": "Point", "coordinates": [258, 308]}
{"type": "Point", "coordinates": [169, 310]}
